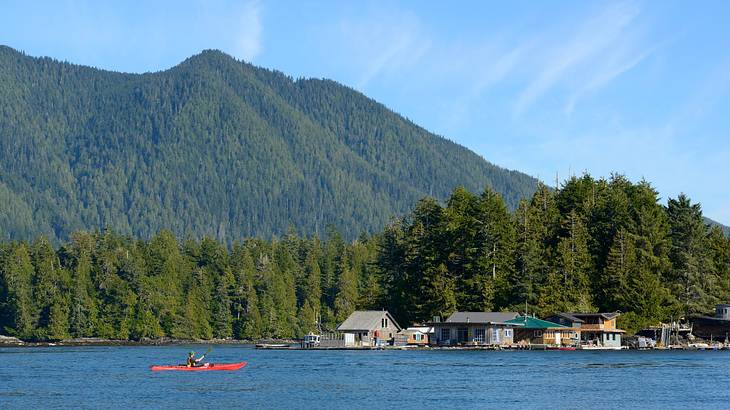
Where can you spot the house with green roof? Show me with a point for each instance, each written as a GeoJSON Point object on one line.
{"type": "Point", "coordinates": [530, 330]}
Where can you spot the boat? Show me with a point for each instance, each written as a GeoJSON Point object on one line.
{"type": "Point", "coordinates": [278, 346]}
{"type": "Point", "coordinates": [205, 367]}
{"type": "Point", "coordinates": [561, 348]}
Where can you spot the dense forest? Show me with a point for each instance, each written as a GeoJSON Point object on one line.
{"type": "Point", "coordinates": [590, 245]}
{"type": "Point", "coordinates": [213, 147]}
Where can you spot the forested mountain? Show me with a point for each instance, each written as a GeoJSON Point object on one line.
{"type": "Point", "coordinates": [725, 229]}
{"type": "Point", "coordinates": [213, 146]}
{"type": "Point", "coordinates": [591, 245]}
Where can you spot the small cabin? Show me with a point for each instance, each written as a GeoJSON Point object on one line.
{"type": "Point", "coordinates": [414, 336]}
{"type": "Point", "coordinates": [369, 328]}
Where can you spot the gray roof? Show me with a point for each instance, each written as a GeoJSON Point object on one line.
{"type": "Point", "coordinates": [481, 317]}
{"type": "Point", "coordinates": [607, 316]}
{"type": "Point", "coordinates": [569, 317]}
{"type": "Point", "coordinates": [366, 320]}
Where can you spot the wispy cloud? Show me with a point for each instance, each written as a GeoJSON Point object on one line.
{"type": "Point", "coordinates": [588, 48]}
{"type": "Point", "coordinates": [385, 45]}
{"type": "Point", "coordinates": [248, 42]}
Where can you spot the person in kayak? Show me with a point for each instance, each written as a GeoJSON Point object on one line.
{"type": "Point", "coordinates": [193, 362]}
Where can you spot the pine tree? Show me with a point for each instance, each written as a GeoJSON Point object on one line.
{"type": "Point", "coordinates": [17, 276]}
{"type": "Point", "coordinates": [693, 277]}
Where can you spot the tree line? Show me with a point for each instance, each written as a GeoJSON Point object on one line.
{"type": "Point", "coordinates": [592, 245]}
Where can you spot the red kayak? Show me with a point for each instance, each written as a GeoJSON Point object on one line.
{"type": "Point", "coordinates": [205, 367]}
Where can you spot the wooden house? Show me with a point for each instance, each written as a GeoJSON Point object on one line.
{"type": "Point", "coordinates": [594, 330]}
{"type": "Point", "coordinates": [369, 328]}
{"type": "Point", "coordinates": [533, 331]}
{"type": "Point", "coordinates": [474, 329]}
{"type": "Point", "coordinates": [414, 336]}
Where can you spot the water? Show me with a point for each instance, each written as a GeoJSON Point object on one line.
{"type": "Point", "coordinates": [118, 377]}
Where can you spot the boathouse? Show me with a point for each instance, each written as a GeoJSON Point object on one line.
{"type": "Point", "coordinates": [530, 330]}
{"type": "Point", "coordinates": [474, 329]}
{"type": "Point", "coordinates": [369, 328]}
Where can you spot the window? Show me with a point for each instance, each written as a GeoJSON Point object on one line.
{"type": "Point", "coordinates": [508, 333]}
{"type": "Point", "coordinates": [462, 334]}
{"type": "Point", "coordinates": [386, 322]}
{"type": "Point", "coordinates": [538, 333]}
{"type": "Point", "coordinates": [479, 335]}
{"type": "Point", "coordinates": [445, 334]}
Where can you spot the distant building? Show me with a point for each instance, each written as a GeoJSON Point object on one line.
{"type": "Point", "coordinates": [716, 328]}
{"type": "Point", "coordinates": [594, 330]}
{"type": "Point", "coordinates": [531, 330]}
{"type": "Point", "coordinates": [369, 328]}
{"type": "Point", "coordinates": [474, 329]}
{"type": "Point", "coordinates": [414, 336]}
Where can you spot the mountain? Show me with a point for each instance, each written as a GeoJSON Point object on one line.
{"type": "Point", "coordinates": [725, 229]}
{"type": "Point", "coordinates": [213, 146]}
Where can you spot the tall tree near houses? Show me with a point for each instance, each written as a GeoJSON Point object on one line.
{"type": "Point", "coordinates": [534, 231]}
{"type": "Point", "coordinates": [371, 291]}
{"type": "Point", "coordinates": [496, 234]}
{"type": "Point", "coordinates": [694, 280]}
{"type": "Point", "coordinates": [621, 266]}
{"type": "Point", "coordinates": [285, 297]}
{"type": "Point", "coordinates": [347, 294]}
{"type": "Point", "coordinates": [573, 265]}
{"type": "Point", "coordinates": [475, 290]}
{"type": "Point", "coordinates": [719, 249]}
{"type": "Point", "coordinates": [311, 292]}
{"type": "Point", "coordinates": [390, 265]}
{"type": "Point", "coordinates": [437, 294]}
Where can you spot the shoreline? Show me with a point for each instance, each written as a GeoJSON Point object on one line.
{"type": "Point", "coordinates": [9, 341]}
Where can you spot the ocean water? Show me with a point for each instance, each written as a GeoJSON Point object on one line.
{"type": "Point", "coordinates": [119, 377]}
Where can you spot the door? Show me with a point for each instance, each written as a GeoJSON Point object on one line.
{"type": "Point", "coordinates": [557, 338]}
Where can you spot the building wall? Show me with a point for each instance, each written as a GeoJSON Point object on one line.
{"type": "Point", "coordinates": [476, 334]}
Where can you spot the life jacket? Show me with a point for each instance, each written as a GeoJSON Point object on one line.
{"type": "Point", "coordinates": [191, 361]}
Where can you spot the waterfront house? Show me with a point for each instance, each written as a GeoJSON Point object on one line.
{"type": "Point", "coordinates": [474, 329]}
{"type": "Point", "coordinates": [530, 330]}
{"type": "Point", "coordinates": [594, 330]}
{"type": "Point", "coordinates": [414, 336]}
{"type": "Point", "coordinates": [368, 328]}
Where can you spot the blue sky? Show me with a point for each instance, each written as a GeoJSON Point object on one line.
{"type": "Point", "coordinates": [638, 87]}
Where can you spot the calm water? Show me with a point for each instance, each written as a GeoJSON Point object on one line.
{"type": "Point", "coordinates": [118, 377]}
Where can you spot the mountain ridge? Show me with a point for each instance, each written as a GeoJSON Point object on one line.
{"type": "Point", "coordinates": [214, 146]}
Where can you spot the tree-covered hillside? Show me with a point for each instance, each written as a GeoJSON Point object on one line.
{"type": "Point", "coordinates": [212, 146]}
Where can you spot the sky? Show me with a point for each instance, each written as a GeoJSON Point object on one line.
{"type": "Point", "coordinates": [640, 88]}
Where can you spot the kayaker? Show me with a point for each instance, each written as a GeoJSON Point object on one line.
{"type": "Point", "coordinates": [192, 361]}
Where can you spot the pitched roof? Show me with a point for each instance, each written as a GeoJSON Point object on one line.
{"type": "Point", "coordinates": [481, 317]}
{"type": "Point", "coordinates": [570, 317]}
{"type": "Point", "coordinates": [366, 320]}
{"type": "Point", "coordinates": [529, 322]}
{"type": "Point", "coordinates": [607, 316]}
